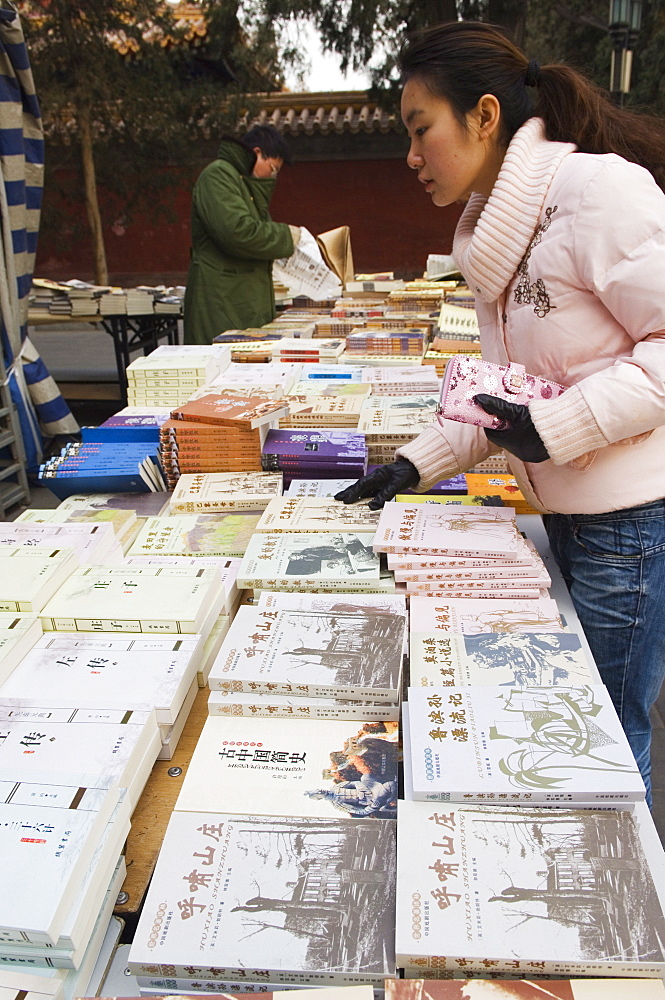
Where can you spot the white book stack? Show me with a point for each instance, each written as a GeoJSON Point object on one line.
{"type": "Point", "coordinates": [220, 354]}
{"type": "Point", "coordinates": [29, 577]}
{"type": "Point", "coordinates": [14, 984]}
{"type": "Point", "coordinates": [275, 378]}
{"type": "Point", "coordinates": [18, 634]}
{"type": "Point", "coordinates": [113, 303]}
{"type": "Point", "coordinates": [227, 568]}
{"type": "Point", "coordinates": [125, 523]}
{"type": "Point", "coordinates": [92, 543]}
{"type": "Point", "coordinates": [140, 301]}
{"type": "Point", "coordinates": [168, 380]}
{"type": "Point", "coordinates": [389, 381]}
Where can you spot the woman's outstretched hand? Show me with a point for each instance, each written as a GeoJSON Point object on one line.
{"type": "Point", "coordinates": [520, 437]}
{"type": "Point", "coordinates": [382, 484]}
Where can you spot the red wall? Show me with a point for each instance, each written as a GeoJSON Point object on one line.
{"type": "Point", "coordinates": [393, 223]}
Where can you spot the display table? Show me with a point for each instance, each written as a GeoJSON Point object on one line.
{"type": "Point", "coordinates": [129, 333]}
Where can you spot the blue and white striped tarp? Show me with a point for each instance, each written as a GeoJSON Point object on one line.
{"type": "Point", "coordinates": [36, 396]}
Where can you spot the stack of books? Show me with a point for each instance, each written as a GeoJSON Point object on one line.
{"type": "Point", "coordinates": [211, 492]}
{"type": "Point", "coordinates": [313, 351]}
{"type": "Point", "coordinates": [217, 433]}
{"type": "Point", "coordinates": [18, 634]}
{"type": "Point", "coordinates": [113, 302]}
{"type": "Point", "coordinates": [321, 454]}
{"type": "Point", "coordinates": [389, 422]}
{"type": "Point", "coordinates": [125, 522]}
{"type": "Point", "coordinates": [31, 575]}
{"type": "Point", "coordinates": [222, 534]}
{"type": "Point", "coordinates": [271, 379]}
{"type": "Point", "coordinates": [405, 341]}
{"type": "Point", "coordinates": [102, 465]}
{"type": "Point", "coordinates": [388, 381]}
{"type": "Point", "coordinates": [92, 543]}
{"type": "Point", "coordinates": [171, 379]}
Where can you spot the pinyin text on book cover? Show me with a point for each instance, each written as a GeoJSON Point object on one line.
{"type": "Point", "coordinates": [555, 746]}
{"type": "Point", "coordinates": [312, 900]}
{"type": "Point", "coordinates": [346, 653]}
{"type": "Point", "coordinates": [525, 891]}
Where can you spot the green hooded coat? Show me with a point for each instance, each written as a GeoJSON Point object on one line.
{"type": "Point", "coordinates": [234, 242]}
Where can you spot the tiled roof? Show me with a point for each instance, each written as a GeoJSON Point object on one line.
{"type": "Point", "coordinates": [324, 113]}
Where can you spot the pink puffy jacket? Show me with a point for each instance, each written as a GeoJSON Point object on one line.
{"type": "Point", "coordinates": [567, 259]}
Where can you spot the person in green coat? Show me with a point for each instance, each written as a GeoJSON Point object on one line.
{"type": "Point", "coordinates": [234, 240]}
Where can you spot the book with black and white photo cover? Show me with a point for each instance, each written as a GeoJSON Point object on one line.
{"type": "Point", "coordinates": [498, 659]}
{"type": "Point", "coordinates": [433, 615]}
{"type": "Point", "coordinates": [329, 768]}
{"type": "Point", "coordinates": [18, 634]}
{"type": "Point", "coordinates": [196, 534]}
{"type": "Point", "coordinates": [550, 746]}
{"type": "Point", "coordinates": [317, 514]}
{"type": "Point", "coordinates": [274, 706]}
{"type": "Point", "coordinates": [30, 576]}
{"type": "Point", "coordinates": [91, 542]}
{"type": "Point", "coordinates": [154, 599]}
{"type": "Point", "coordinates": [523, 989]}
{"type": "Point", "coordinates": [48, 835]}
{"type": "Point", "coordinates": [500, 889]}
{"type": "Point", "coordinates": [441, 529]}
{"type": "Point", "coordinates": [224, 491]}
{"type": "Point", "coordinates": [324, 561]}
{"type": "Point", "coordinates": [303, 900]}
{"type": "Point", "coordinates": [95, 671]}
{"type": "Point", "coordinates": [354, 654]}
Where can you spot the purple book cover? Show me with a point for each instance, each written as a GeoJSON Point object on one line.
{"type": "Point", "coordinates": [316, 446]}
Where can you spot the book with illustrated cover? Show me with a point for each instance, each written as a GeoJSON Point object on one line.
{"type": "Point", "coordinates": [522, 561]}
{"type": "Point", "coordinates": [125, 523]}
{"type": "Point", "coordinates": [523, 989]}
{"type": "Point", "coordinates": [550, 746]}
{"type": "Point", "coordinates": [94, 748]}
{"type": "Point", "coordinates": [196, 534]}
{"type": "Point", "coordinates": [143, 504]}
{"type": "Point", "coordinates": [29, 576]}
{"type": "Point", "coordinates": [274, 706]}
{"type": "Point", "coordinates": [315, 447]}
{"type": "Point", "coordinates": [310, 900]}
{"type": "Point", "coordinates": [407, 569]}
{"type": "Point", "coordinates": [335, 603]}
{"type": "Point", "coordinates": [46, 849]}
{"type": "Point", "coordinates": [504, 659]}
{"type": "Point", "coordinates": [495, 889]}
{"type": "Point", "coordinates": [105, 671]}
{"type": "Point", "coordinates": [353, 654]}
{"type": "Point", "coordinates": [316, 487]}
{"type": "Point", "coordinates": [232, 411]}
{"type": "Point", "coordinates": [492, 589]}
{"type": "Point", "coordinates": [317, 514]}
{"type": "Point", "coordinates": [286, 767]}
{"type": "Point", "coordinates": [317, 561]}
{"type": "Point", "coordinates": [439, 529]}
{"type": "Point", "coordinates": [475, 615]}
{"type": "Point", "coordinates": [407, 416]}
{"type": "Point", "coordinates": [223, 491]}
{"type": "Point", "coordinates": [129, 599]}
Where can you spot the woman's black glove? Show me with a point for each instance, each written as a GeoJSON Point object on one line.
{"type": "Point", "coordinates": [382, 484]}
{"type": "Point", "coordinates": [520, 437]}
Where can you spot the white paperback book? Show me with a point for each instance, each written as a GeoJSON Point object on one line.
{"type": "Point", "coordinates": [274, 706]}
{"type": "Point", "coordinates": [91, 542]}
{"type": "Point", "coordinates": [350, 655]}
{"type": "Point", "coordinates": [337, 769]}
{"type": "Point", "coordinates": [29, 577]}
{"type": "Point", "coordinates": [553, 746]}
{"type": "Point", "coordinates": [454, 531]}
{"type": "Point", "coordinates": [226, 566]}
{"type": "Point", "coordinates": [115, 672]}
{"type": "Point", "coordinates": [153, 599]}
{"type": "Point", "coordinates": [18, 634]}
{"type": "Point", "coordinates": [470, 616]}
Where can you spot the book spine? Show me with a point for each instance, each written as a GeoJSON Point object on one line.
{"type": "Point", "coordinates": [296, 976]}
{"type": "Point", "coordinates": [282, 688]}
{"type": "Point", "coordinates": [152, 626]}
{"type": "Point", "coordinates": [37, 962]}
{"type": "Point", "coordinates": [196, 985]}
{"type": "Point", "coordinates": [440, 967]}
{"type": "Point", "coordinates": [563, 799]}
{"type": "Point", "coordinates": [264, 708]}
{"type": "Point", "coordinates": [310, 586]}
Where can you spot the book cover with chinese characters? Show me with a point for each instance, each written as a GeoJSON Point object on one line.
{"type": "Point", "coordinates": [125, 523]}
{"type": "Point", "coordinates": [266, 989]}
{"type": "Point", "coordinates": [128, 599]}
{"type": "Point", "coordinates": [143, 504]}
{"type": "Point", "coordinates": [30, 576]}
{"type": "Point", "coordinates": [522, 561]}
{"type": "Point", "coordinates": [18, 634]}
{"type": "Point", "coordinates": [303, 561]}
{"type": "Point", "coordinates": [284, 767]}
{"type": "Point", "coordinates": [383, 416]}
{"type": "Point", "coordinates": [95, 671]}
{"type": "Point", "coordinates": [525, 891]}
{"type": "Point", "coordinates": [196, 534]}
{"type": "Point", "coordinates": [315, 447]}
{"type": "Point", "coordinates": [512, 659]}
{"type": "Point", "coordinates": [553, 746]}
{"type": "Point", "coordinates": [94, 748]}
{"type": "Point", "coordinates": [312, 899]}
{"type": "Point", "coordinates": [48, 835]}
{"type": "Point", "coordinates": [524, 989]}
{"type": "Point", "coordinates": [317, 514]}
{"type": "Point", "coordinates": [438, 528]}
{"type": "Point", "coordinates": [265, 705]}
{"type": "Point", "coordinates": [222, 491]}
{"type": "Point", "coordinates": [227, 569]}
{"type": "Point", "coordinates": [317, 487]}
{"type": "Point", "coordinates": [351, 654]}
{"type": "Point", "coordinates": [232, 411]}
{"type": "Point", "coordinates": [91, 542]}
{"type": "Point", "coordinates": [473, 615]}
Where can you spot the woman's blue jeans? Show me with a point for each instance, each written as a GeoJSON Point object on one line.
{"type": "Point", "coordinates": [614, 565]}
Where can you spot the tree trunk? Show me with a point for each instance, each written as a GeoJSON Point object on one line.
{"type": "Point", "coordinates": [91, 199]}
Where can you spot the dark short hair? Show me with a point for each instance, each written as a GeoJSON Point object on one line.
{"type": "Point", "coordinates": [270, 142]}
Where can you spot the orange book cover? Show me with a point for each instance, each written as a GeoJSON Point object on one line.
{"type": "Point", "coordinates": [232, 411]}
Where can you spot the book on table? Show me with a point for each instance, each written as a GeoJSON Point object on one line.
{"type": "Point", "coordinates": [523, 989]}
{"type": "Point", "coordinates": [232, 411]}
{"type": "Point", "coordinates": [266, 705]}
{"type": "Point", "coordinates": [224, 534]}
{"type": "Point", "coordinates": [498, 659]}
{"type": "Point", "coordinates": [91, 542]}
{"type": "Point", "coordinates": [18, 634]}
{"type": "Point", "coordinates": [125, 523]}
{"type": "Point", "coordinates": [143, 504]}
{"type": "Point", "coordinates": [93, 671]}
{"type": "Point", "coordinates": [303, 561]}
{"type": "Point", "coordinates": [226, 568]}
{"type": "Point", "coordinates": [224, 491]}
{"type": "Point", "coordinates": [243, 874]}
{"type": "Point", "coordinates": [317, 514]}
{"type": "Point", "coordinates": [128, 599]}
{"type": "Point", "coordinates": [440, 529]}
{"type": "Point", "coordinates": [350, 654]}
{"type": "Point", "coordinates": [525, 890]}
{"type": "Point", "coordinates": [317, 487]}
{"type": "Point", "coordinates": [433, 615]}
{"type": "Point", "coordinates": [344, 769]}
{"type": "Point", "coordinates": [552, 746]}
{"type": "Point", "coordinates": [30, 576]}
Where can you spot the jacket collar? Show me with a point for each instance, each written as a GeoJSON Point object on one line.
{"type": "Point", "coordinates": [494, 233]}
{"type": "Point", "coordinates": [238, 155]}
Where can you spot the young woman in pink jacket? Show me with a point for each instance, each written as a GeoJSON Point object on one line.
{"type": "Point", "coordinates": [563, 243]}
